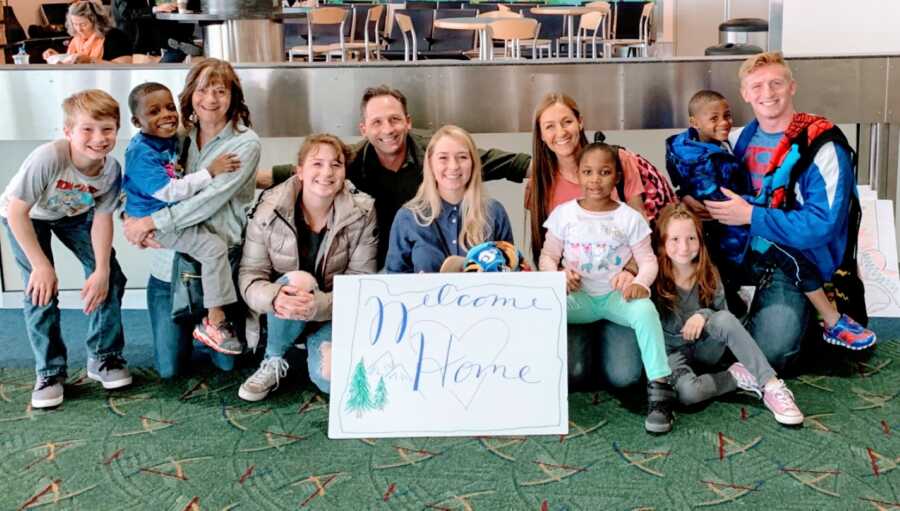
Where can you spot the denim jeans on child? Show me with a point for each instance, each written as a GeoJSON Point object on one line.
{"type": "Point", "coordinates": [105, 337]}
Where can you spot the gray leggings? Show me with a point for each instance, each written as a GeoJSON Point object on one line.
{"type": "Point", "coordinates": [722, 331]}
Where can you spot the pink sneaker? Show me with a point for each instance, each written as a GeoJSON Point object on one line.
{"type": "Point", "coordinates": [745, 380]}
{"type": "Point", "coordinates": [221, 338]}
{"type": "Point", "coordinates": [780, 401]}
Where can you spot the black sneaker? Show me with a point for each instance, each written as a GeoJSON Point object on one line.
{"type": "Point", "coordinates": [660, 398]}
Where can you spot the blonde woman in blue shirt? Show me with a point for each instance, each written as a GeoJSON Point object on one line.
{"type": "Point", "coordinates": [449, 213]}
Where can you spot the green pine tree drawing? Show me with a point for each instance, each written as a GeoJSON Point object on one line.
{"type": "Point", "coordinates": [359, 391]}
{"type": "Point", "coordinates": [380, 395]}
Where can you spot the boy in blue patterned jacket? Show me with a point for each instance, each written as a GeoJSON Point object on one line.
{"type": "Point", "coordinates": [700, 163]}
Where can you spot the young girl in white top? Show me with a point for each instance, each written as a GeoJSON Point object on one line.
{"type": "Point", "coordinates": [591, 239]}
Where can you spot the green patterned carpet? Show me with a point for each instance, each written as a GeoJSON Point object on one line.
{"type": "Point", "coordinates": [192, 444]}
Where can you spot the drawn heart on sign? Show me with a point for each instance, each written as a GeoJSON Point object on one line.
{"type": "Point", "coordinates": [471, 357]}
{"type": "Point", "coordinates": [489, 338]}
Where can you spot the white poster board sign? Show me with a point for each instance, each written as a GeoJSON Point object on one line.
{"type": "Point", "coordinates": [449, 355]}
{"type": "Point", "coordinates": [877, 255]}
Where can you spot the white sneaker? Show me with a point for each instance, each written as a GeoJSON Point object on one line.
{"type": "Point", "coordinates": [264, 380]}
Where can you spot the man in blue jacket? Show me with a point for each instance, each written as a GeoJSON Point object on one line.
{"type": "Point", "coordinates": [804, 186]}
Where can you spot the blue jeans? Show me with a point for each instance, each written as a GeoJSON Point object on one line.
{"type": "Point", "coordinates": [105, 337]}
{"type": "Point", "coordinates": [173, 343]}
{"type": "Point", "coordinates": [778, 315]}
{"type": "Point", "coordinates": [616, 346]}
{"type": "Point", "coordinates": [283, 333]}
{"type": "Point", "coordinates": [801, 271]}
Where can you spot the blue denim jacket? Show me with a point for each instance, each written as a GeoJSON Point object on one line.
{"type": "Point", "coordinates": [415, 248]}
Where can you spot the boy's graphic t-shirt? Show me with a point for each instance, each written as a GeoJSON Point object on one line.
{"type": "Point", "coordinates": [596, 245]}
{"type": "Point", "coordinates": [49, 181]}
{"type": "Point", "coordinates": [759, 153]}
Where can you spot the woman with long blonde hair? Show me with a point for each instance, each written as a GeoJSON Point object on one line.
{"type": "Point", "coordinates": [449, 213]}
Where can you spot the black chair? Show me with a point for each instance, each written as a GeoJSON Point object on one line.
{"type": "Point", "coordinates": [55, 13]}
{"type": "Point", "coordinates": [331, 27]}
{"type": "Point", "coordinates": [480, 7]}
{"type": "Point", "coordinates": [422, 20]}
{"type": "Point", "coordinates": [12, 35]}
{"type": "Point", "coordinates": [294, 33]}
{"type": "Point", "coordinates": [421, 4]}
{"type": "Point", "coordinates": [53, 22]}
{"type": "Point", "coordinates": [451, 44]}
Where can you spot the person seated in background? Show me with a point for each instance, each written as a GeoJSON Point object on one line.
{"type": "Point", "coordinates": [388, 164]}
{"type": "Point", "coordinates": [94, 38]}
{"type": "Point", "coordinates": [449, 214]}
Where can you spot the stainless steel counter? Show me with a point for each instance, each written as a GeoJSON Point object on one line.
{"type": "Point", "coordinates": [296, 99]}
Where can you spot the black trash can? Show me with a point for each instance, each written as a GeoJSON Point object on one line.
{"type": "Point", "coordinates": [753, 31]}
{"type": "Point", "coordinates": [732, 49]}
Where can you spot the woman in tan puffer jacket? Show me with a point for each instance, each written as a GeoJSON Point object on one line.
{"type": "Point", "coordinates": [303, 233]}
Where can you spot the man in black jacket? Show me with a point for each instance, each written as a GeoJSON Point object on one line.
{"type": "Point", "coordinates": [388, 163]}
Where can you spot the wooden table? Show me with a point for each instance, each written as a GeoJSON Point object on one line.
{"type": "Point", "coordinates": [481, 25]}
{"type": "Point", "coordinates": [570, 13]}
